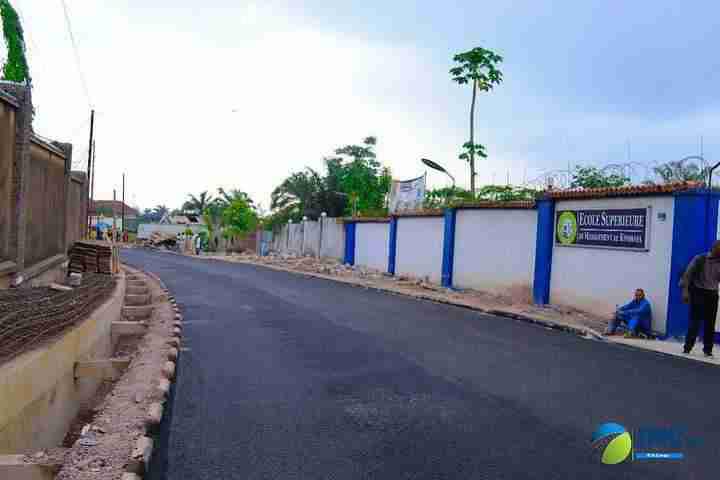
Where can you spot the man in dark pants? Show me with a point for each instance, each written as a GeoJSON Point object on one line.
{"type": "Point", "coordinates": [700, 290]}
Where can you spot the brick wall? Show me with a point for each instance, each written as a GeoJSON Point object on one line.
{"type": "Point", "coordinates": [43, 205]}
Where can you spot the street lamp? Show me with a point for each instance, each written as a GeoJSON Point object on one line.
{"type": "Point", "coordinates": [439, 168]}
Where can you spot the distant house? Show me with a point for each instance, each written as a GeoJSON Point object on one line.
{"type": "Point", "coordinates": [186, 219]}
{"type": "Point", "coordinates": [172, 225]}
{"type": "Point", "coordinates": [103, 211]}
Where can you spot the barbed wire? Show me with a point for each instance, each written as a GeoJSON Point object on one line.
{"type": "Point", "coordinates": [638, 172]}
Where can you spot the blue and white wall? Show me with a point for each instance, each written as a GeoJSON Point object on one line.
{"type": "Point", "coordinates": [597, 279]}
{"type": "Point", "coordinates": [420, 247]}
{"type": "Point", "coordinates": [512, 251]}
{"type": "Point", "coordinates": [371, 245]}
{"type": "Point", "coordinates": [495, 250]}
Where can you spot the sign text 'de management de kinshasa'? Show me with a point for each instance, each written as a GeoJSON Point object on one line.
{"type": "Point", "coordinates": [609, 228]}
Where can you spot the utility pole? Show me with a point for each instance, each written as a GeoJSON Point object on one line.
{"type": "Point", "coordinates": [123, 208]}
{"type": "Point", "coordinates": [89, 164]}
{"type": "Point", "coordinates": [92, 180]}
{"type": "Point", "coordinates": [114, 217]}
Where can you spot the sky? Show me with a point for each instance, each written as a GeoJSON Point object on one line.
{"type": "Point", "coordinates": [192, 96]}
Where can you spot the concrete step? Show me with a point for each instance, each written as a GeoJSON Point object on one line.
{"type": "Point", "coordinates": [119, 329]}
{"type": "Point", "coordinates": [137, 283]}
{"type": "Point", "coordinates": [130, 290]}
{"type": "Point", "coordinates": [137, 300]}
{"type": "Point", "coordinates": [137, 313]}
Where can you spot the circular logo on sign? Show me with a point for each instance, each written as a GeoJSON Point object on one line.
{"type": "Point", "coordinates": [567, 228]}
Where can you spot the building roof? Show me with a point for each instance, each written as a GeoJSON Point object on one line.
{"type": "Point", "coordinates": [113, 207]}
{"type": "Point", "coordinates": [630, 191]}
{"type": "Point", "coordinates": [187, 219]}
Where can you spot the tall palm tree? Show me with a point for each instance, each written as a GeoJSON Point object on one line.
{"type": "Point", "coordinates": [197, 204]}
{"type": "Point", "coordinates": [298, 194]}
{"type": "Point", "coordinates": [227, 197]}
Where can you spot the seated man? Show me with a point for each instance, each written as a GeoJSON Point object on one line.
{"type": "Point", "coordinates": [633, 317]}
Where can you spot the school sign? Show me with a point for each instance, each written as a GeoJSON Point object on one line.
{"type": "Point", "coordinates": [611, 228]}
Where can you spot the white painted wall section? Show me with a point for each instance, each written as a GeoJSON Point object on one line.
{"type": "Point", "coordinates": [495, 251]}
{"type": "Point", "coordinates": [598, 279]}
{"type": "Point", "coordinates": [371, 245]}
{"type": "Point", "coordinates": [420, 247]}
{"type": "Point", "coordinates": [333, 238]}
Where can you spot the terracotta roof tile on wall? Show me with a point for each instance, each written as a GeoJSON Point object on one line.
{"type": "Point", "coordinates": [433, 212]}
{"type": "Point", "coordinates": [516, 204]}
{"type": "Point", "coordinates": [366, 219]}
{"type": "Point", "coordinates": [630, 191]}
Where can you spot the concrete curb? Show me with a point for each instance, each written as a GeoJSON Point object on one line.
{"type": "Point", "coordinates": [141, 455]}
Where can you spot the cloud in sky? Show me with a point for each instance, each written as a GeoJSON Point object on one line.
{"type": "Point", "coordinates": [239, 94]}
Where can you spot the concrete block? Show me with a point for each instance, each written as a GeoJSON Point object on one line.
{"type": "Point", "coordinates": [107, 369]}
{"type": "Point", "coordinates": [137, 313]}
{"type": "Point", "coordinates": [164, 387]}
{"type": "Point", "coordinates": [177, 332]}
{"type": "Point", "coordinates": [137, 283]}
{"type": "Point", "coordinates": [174, 342]}
{"type": "Point", "coordinates": [140, 456]}
{"type": "Point", "coordinates": [128, 328]}
{"type": "Point", "coordinates": [169, 370]}
{"type": "Point", "coordinates": [137, 300]}
{"type": "Point", "coordinates": [154, 416]}
{"type": "Point", "coordinates": [14, 467]}
{"type": "Point", "coordinates": [173, 354]}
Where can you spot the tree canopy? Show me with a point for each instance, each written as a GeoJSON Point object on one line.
{"type": "Point", "coordinates": [15, 67]}
{"type": "Point", "coordinates": [593, 177]}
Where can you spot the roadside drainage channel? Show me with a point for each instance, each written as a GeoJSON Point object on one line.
{"type": "Point", "coordinates": [145, 340]}
{"type": "Point", "coordinates": [47, 388]}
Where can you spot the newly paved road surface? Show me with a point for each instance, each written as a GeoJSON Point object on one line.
{"type": "Point", "coordinates": [289, 377]}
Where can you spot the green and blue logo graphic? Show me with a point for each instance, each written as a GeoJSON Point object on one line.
{"type": "Point", "coordinates": [612, 442]}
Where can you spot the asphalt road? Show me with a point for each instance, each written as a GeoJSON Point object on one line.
{"type": "Point", "coordinates": [289, 377]}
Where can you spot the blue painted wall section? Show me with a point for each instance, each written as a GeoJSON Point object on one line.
{"type": "Point", "coordinates": [349, 243]}
{"type": "Point", "coordinates": [448, 247]}
{"type": "Point", "coordinates": [392, 247]}
{"type": "Point", "coordinates": [694, 230]}
{"type": "Point", "coordinates": [544, 250]}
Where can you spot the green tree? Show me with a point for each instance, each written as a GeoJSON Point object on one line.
{"type": "Point", "coordinates": [680, 171]}
{"type": "Point", "coordinates": [297, 194]}
{"type": "Point", "coordinates": [363, 179]}
{"type": "Point", "coordinates": [229, 196]}
{"type": "Point", "coordinates": [479, 68]}
{"type": "Point", "coordinates": [239, 218]}
{"type": "Point", "coordinates": [197, 204]}
{"type": "Point", "coordinates": [213, 217]}
{"type": "Point", "coordinates": [592, 177]}
{"type": "Point", "coordinates": [16, 66]}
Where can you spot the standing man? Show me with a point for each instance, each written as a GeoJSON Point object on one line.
{"type": "Point", "coordinates": [198, 244]}
{"type": "Point", "coordinates": [699, 286]}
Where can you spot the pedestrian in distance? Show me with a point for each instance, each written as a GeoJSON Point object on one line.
{"type": "Point", "coordinates": [634, 317]}
{"type": "Point", "coordinates": [699, 286]}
